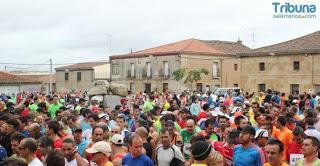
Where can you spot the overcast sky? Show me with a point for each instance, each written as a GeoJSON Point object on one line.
{"type": "Point", "coordinates": [72, 31]}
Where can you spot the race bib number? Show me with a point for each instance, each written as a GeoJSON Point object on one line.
{"type": "Point", "coordinates": [294, 158]}
{"type": "Point", "coordinates": [187, 148]}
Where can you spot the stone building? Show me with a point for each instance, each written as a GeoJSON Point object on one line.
{"type": "Point", "coordinates": [80, 76]}
{"type": "Point", "coordinates": [290, 67]}
{"type": "Point", "coordinates": [151, 69]}
{"type": "Point", "coordinates": [10, 83]}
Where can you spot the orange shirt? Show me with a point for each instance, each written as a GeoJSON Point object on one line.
{"type": "Point", "coordinates": [275, 131]}
{"type": "Point", "coordinates": [282, 164]}
{"type": "Point", "coordinates": [233, 125]}
{"type": "Point", "coordinates": [285, 136]}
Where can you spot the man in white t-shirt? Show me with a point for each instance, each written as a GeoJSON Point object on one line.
{"type": "Point", "coordinates": [27, 150]}
{"type": "Point", "coordinates": [167, 151]}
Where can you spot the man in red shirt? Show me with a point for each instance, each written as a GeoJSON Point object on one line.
{"type": "Point", "coordinates": [52, 131]}
{"type": "Point", "coordinates": [184, 112]}
{"type": "Point", "coordinates": [296, 145]}
{"type": "Point", "coordinates": [204, 112]}
{"type": "Point", "coordinates": [232, 140]}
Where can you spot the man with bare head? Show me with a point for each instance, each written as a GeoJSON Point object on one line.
{"type": "Point", "coordinates": [2, 106]}
{"type": "Point", "coordinates": [186, 135]}
{"type": "Point", "coordinates": [136, 157]}
{"type": "Point", "coordinates": [115, 130]}
{"type": "Point", "coordinates": [143, 133]}
{"type": "Point", "coordinates": [34, 130]}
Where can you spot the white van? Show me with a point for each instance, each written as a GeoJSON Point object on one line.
{"type": "Point", "coordinates": [224, 91]}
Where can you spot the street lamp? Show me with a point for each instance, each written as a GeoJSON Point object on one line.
{"type": "Point", "coordinates": [109, 36]}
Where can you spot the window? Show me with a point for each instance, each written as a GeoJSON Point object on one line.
{"type": "Point", "coordinates": [262, 66]}
{"type": "Point", "coordinates": [235, 67]}
{"type": "Point", "coordinates": [79, 76]}
{"type": "Point", "coordinates": [148, 69]}
{"type": "Point", "coordinates": [147, 88]}
{"type": "Point", "coordinates": [132, 69]}
{"type": "Point", "coordinates": [262, 87]}
{"type": "Point", "coordinates": [66, 76]}
{"type": "Point", "coordinates": [131, 88]}
{"type": "Point", "coordinates": [166, 68]}
{"type": "Point", "coordinates": [115, 69]}
{"type": "Point", "coordinates": [165, 86]}
{"type": "Point", "coordinates": [236, 85]}
{"type": "Point", "coordinates": [215, 70]}
{"type": "Point", "coordinates": [296, 66]}
{"type": "Point", "coordinates": [317, 88]}
{"type": "Point", "coordinates": [199, 87]}
{"type": "Point", "coordinates": [295, 89]}
{"type": "Point", "coordinates": [207, 88]}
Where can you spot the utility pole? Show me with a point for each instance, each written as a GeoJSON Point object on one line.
{"type": "Point", "coordinates": [50, 83]}
{"type": "Point", "coordinates": [109, 75]}
{"type": "Point", "coordinates": [109, 44]}
{"type": "Point", "coordinates": [253, 38]}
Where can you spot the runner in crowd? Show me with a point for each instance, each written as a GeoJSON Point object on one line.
{"type": "Point", "coordinates": [190, 128]}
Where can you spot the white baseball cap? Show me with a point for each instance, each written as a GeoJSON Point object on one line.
{"type": "Point", "coordinates": [214, 113]}
{"type": "Point", "coordinates": [104, 116]}
{"type": "Point", "coordinates": [100, 146]}
{"type": "Point", "coordinates": [261, 133]}
{"type": "Point", "coordinates": [117, 139]}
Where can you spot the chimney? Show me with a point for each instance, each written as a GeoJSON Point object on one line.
{"type": "Point", "coordinates": [239, 41]}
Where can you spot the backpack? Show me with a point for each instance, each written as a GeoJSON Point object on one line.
{"type": "Point", "coordinates": [175, 161]}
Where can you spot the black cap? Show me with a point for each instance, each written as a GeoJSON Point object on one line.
{"type": "Point", "coordinates": [200, 150]}
{"type": "Point", "coordinates": [169, 123]}
{"type": "Point", "coordinates": [77, 129]}
{"type": "Point", "coordinates": [248, 129]}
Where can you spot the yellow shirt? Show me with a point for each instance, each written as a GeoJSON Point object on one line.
{"type": "Point", "coordinates": [251, 114]}
{"type": "Point", "coordinates": [166, 105]}
{"type": "Point", "coordinates": [282, 164]}
{"type": "Point", "coordinates": [109, 164]}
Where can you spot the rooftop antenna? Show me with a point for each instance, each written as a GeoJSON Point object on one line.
{"type": "Point", "coordinates": [253, 36]}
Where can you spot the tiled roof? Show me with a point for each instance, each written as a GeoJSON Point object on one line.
{"type": "Point", "coordinates": [227, 47]}
{"type": "Point", "coordinates": [82, 66]}
{"type": "Point", "coordinates": [306, 44]}
{"type": "Point", "coordinates": [10, 78]}
{"type": "Point", "coordinates": [44, 78]}
{"type": "Point", "coordinates": [192, 46]}
{"type": "Point", "coordinates": [189, 45]}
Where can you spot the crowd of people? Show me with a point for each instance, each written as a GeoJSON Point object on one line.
{"type": "Point", "coordinates": [191, 128]}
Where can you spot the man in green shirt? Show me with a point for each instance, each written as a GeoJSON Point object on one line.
{"type": "Point", "coordinates": [53, 107]}
{"type": "Point", "coordinates": [34, 106]}
{"type": "Point", "coordinates": [186, 135]}
{"type": "Point", "coordinates": [148, 105]}
{"type": "Point", "coordinates": [209, 129]}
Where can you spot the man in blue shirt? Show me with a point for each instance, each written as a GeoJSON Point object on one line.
{"type": "Point", "coordinates": [136, 157]}
{"type": "Point", "coordinates": [247, 154]}
{"type": "Point", "coordinates": [80, 142]}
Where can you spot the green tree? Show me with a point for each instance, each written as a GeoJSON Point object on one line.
{"type": "Point", "coordinates": [189, 76]}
